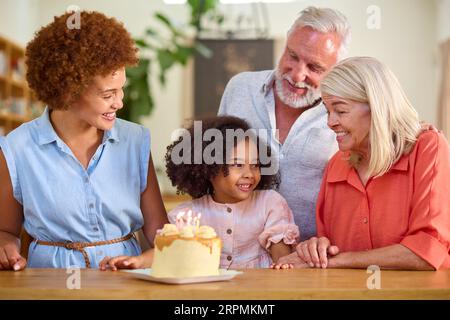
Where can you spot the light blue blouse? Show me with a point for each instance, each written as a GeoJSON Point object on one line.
{"type": "Point", "coordinates": [62, 201]}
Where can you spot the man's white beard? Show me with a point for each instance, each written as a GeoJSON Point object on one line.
{"type": "Point", "coordinates": [291, 99]}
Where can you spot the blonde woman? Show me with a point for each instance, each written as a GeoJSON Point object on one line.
{"type": "Point", "coordinates": [384, 198]}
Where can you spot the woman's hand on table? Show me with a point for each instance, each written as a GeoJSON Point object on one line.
{"type": "Point", "coordinates": [315, 251]}
{"type": "Point", "coordinates": [128, 262]}
{"type": "Point", "coordinates": [10, 258]}
{"type": "Point", "coordinates": [123, 262]}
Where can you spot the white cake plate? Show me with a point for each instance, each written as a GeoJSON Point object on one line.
{"type": "Point", "coordinates": [146, 274]}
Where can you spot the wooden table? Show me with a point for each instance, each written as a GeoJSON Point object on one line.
{"type": "Point", "coordinates": [253, 284]}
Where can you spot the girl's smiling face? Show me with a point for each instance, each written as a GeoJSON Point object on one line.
{"type": "Point", "coordinates": [243, 174]}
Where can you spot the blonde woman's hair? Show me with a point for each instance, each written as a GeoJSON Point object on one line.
{"type": "Point", "coordinates": [394, 123]}
{"type": "Point", "coordinates": [325, 20]}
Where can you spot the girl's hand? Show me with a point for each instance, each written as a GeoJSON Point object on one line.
{"type": "Point", "coordinates": [10, 258]}
{"type": "Point", "coordinates": [122, 262]}
{"type": "Point", "coordinates": [315, 251]}
{"type": "Point", "coordinates": [290, 261]}
{"type": "Point", "coordinates": [278, 266]}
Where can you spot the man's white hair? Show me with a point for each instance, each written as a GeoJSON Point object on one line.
{"type": "Point", "coordinates": [325, 20]}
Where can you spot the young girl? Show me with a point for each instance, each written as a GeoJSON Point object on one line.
{"type": "Point", "coordinates": [255, 224]}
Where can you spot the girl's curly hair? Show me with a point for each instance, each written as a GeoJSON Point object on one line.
{"type": "Point", "coordinates": [62, 61]}
{"type": "Point", "coordinates": [194, 178]}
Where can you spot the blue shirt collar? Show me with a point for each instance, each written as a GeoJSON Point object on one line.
{"type": "Point", "coordinates": [111, 135]}
{"type": "Point", "coordinates": [48, 135]}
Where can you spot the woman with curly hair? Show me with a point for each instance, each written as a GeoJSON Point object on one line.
{"type": "Point", "coordinates": [232, 193]}
{"type": "Point", "coordinates": [80, 181]}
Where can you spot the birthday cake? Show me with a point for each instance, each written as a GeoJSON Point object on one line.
{"type": "Point", "coordinates": [186, 251]}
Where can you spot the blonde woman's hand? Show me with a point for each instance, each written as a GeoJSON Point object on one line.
{"type": "Point", "coordinates": [122, 262]}
{"type": "Point", "coordinates": [315, 251]}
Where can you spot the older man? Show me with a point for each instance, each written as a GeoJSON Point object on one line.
{"type": "Point", "coordinates": [288, 99]}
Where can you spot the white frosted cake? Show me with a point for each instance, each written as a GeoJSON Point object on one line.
{"type": "Point", "coordinates": [189, 252]}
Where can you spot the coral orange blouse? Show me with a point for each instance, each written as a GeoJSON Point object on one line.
{"type": "Point", "coordinates": [409, 205]}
